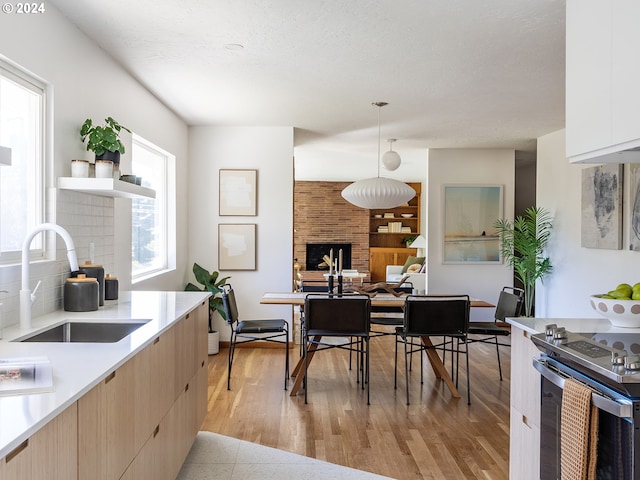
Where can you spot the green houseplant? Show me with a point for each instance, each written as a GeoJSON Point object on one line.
{"type": "Point", "coordinates": [408, 239]}
{"type": "Point", "coordinates": [102, 139]}
{"type": "Point", "coordinates": [211, 282]}
{"type": "Point", "coordinates": [522, 245]}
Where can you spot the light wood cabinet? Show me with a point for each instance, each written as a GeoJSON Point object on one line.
{"type": "Point", "coordinates": [154, 386]}
{"type": "Point", "coordinates": [388, 248]}
{"type": "Point", "coordinates": [602, 98]}
{"type": "Point", "coordinates": [138, 423]}
{"type": "Point", "coordinates": [524, 446]}
{"type": "Point", "coordinates": [106, 426]}
{"type": "Point", "coordinates": [391, 239]}
{"type": "Point", "coordinates": [379, 258]}
{"type": "Point", "coordinates": [163, 454]}
{"type": "Point", "coordinates": [50, 453]}
{"type": "Point", "coordinates": [168, 441]}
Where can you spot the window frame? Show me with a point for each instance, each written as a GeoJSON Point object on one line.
{"type": "Point", "coordinates": [167, 209]}
{"type": "Point", "coordinates": [41, 248]}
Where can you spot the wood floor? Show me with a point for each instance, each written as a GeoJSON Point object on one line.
{"type": "Point", "coordinates": [436, 437]}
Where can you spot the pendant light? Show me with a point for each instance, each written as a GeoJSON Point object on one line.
{"type": "Point", "coordinates": [378, 192]}
{"type": "Point", "coordinates": [391, 160]}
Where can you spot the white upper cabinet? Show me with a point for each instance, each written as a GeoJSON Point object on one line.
{"type": "Point", "coordinates": [602, 79]}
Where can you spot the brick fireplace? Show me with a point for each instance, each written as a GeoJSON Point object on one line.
{"type": "Point", "coordinates": [322, 216]}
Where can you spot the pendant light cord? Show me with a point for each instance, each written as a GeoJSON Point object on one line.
{"type": "Point", "coordinates": [379, 108]}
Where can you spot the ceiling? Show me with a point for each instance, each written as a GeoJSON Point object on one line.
{"type": "Point", "coordinates": [456, 73]}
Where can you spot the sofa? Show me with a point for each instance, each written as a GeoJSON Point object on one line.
{"type": "Point", "coordinates": [418, 280]}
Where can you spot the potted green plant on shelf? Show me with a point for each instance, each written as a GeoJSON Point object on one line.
{"type": "Point", "coordinates": [408, 239]}
{"type": "Point", "coordinates": [211, 283]}
{"type": "Point", "coordinates": [522, 245]}
{"type": "Point", "coordinates": [104, 140]}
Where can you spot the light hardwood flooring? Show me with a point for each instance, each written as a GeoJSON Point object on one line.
{"type": "Point", "coordinates": [436, 437]}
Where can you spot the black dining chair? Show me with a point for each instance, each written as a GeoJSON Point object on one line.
{"type": "Point", "coordinates": [252, 330]}
{"type": "Point", "coordinates": [389, 316]}
{"type": "Point", "coordinates": [439, 316]}
{"type": "Point", "coordinates": [345, 316]}
{"type": "Point", "coordinates": [509, 304]}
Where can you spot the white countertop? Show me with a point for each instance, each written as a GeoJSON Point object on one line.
{"type": "Point", "coordinates": [78, 367]}
{"type": "Point", "coordinates": [581, 325]}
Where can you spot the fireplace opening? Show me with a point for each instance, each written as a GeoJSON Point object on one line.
{"type": "Point", "coordinates": [316, 252]}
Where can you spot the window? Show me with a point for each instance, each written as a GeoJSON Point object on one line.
{"type": "Point", "coordinates": [22, 129]}
{"type": "Point", "coordinates": [153, 219]}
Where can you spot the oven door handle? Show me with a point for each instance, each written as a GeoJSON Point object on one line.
{"type": "Point", "coordinates": [618, 409]}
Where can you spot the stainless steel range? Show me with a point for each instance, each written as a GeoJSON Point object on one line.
{"type": "Point", "coordinates": [614, 376]}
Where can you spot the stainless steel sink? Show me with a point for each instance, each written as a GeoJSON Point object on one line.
{"type": "Point", "coordinates": [87, 332]}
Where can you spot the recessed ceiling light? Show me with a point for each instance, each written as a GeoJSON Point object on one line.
{"type": "Point", "coordinates": [234, 46]}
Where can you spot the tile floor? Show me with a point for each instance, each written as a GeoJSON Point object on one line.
{"type": "Point", "coordinates": [226, 458]}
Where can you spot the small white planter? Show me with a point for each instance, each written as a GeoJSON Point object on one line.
{"type": "Point", "coordinates": [214, 342]}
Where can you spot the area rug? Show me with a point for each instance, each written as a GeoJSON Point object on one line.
{"type": "Point", "coordinates": [225, 458]}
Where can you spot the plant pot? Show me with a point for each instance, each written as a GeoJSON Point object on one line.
{"type": "Point", "coordinates": [213, 342]}
{"type": "Point", "coordinates": [108, 155]}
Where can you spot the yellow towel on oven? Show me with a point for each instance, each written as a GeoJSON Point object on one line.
{"type": "Point", "coordinates": [578, 433]}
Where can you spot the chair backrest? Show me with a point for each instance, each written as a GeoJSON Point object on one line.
{"type": "Point", "coordinates": [335, 314]}
{"type": "Point", "coordinates": [510, 303]}
{"type": "Point", "coordinates": [436, 315]}
{"type": "Point", "coordinates": [229, 304]}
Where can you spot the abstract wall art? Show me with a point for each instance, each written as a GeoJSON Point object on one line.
{"type": "Point", "coordinates": [237, 246]}
{"type": "Point", "coordinates": [602, 207]}
{"type": "Point", "coordinates": [238, 192]}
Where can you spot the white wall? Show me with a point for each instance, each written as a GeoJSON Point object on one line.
{"type": "Point", "coordinates": [578, 272]}
{"type": "Point", "coordinates": [466, 166]}
{"type": "Point", "coordinates": [86, 82]}
{"type": "Point", "coordinates": [270, 151]}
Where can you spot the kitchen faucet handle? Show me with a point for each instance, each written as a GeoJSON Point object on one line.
{"type": "Point", "coordinates": [33, 293]}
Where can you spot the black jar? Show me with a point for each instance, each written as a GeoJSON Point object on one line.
{"type": "Point", "coordinates": [81, 294]}
{"type": "Point", "coordinates": [97, 272]}
{"type": "Point", "coordinates": [110, 287]}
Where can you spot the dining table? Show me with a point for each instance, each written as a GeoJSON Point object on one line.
{"type": "Point", "coordinates": [377, 300]}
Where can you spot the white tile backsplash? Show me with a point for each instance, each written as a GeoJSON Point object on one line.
{"type": "Point", "coordinates": [87, 218]}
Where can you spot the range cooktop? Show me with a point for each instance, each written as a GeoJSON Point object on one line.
{"type": "Point", "coordinates": [614, 356]}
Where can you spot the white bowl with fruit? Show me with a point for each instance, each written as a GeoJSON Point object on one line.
{"type": "Point", "coordinates": [620, 306]}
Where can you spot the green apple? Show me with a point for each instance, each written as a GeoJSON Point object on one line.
{"type": "Point", "coordinates": [625, 289]}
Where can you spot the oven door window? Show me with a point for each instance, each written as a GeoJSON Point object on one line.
{"type": "Point", "coordinates": [615, 440]}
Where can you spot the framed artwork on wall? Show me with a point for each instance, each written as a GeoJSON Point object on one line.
{"type": "Point", "coordinates": [238, 192]}
{"type": "Point", "coordinates": [470, 212]}
{"type": "Point", "coordinates": [237, 246]}
{"type": "Point", "coordinates": [634, 207]}
{"type": "Point", "coordinates": [601, 225]}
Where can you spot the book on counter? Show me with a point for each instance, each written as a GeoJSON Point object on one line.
{"type": "Point", "coordinates": [25, 375]}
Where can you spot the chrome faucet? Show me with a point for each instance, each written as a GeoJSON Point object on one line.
{"type": "Point", "coordinates": [27, 297]}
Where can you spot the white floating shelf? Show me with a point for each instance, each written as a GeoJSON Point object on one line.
{"type": "Point", "coordinates": [106, 187]}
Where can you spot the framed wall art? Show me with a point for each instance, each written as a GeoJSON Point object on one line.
{"type": "Point", "coordinates": [237, 246]}
{"type": "Point", "coordinates": [601, 225]}
{"type": "Point", "coordinates": [238, 192]}
{"type": "Point", "coordinates": [634, 207]}
{"type": "Point", "coordinates": [470, 212]}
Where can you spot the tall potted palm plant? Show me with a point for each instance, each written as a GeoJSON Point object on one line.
{"type": "Point", "coordinates": [522, 245]}
{"type": "Point", "coordinates": [211, 283]}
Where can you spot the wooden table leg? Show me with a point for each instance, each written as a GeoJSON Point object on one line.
{"type": "Point", "coordinates": [298, 372]}
{"type": "Point", "coordinates": [438, 367]}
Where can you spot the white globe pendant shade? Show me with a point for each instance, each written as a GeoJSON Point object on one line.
{"type": "Point", "coordinates": [378, 192]}
{"type": "Point", "coordinates": [391, 160]}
